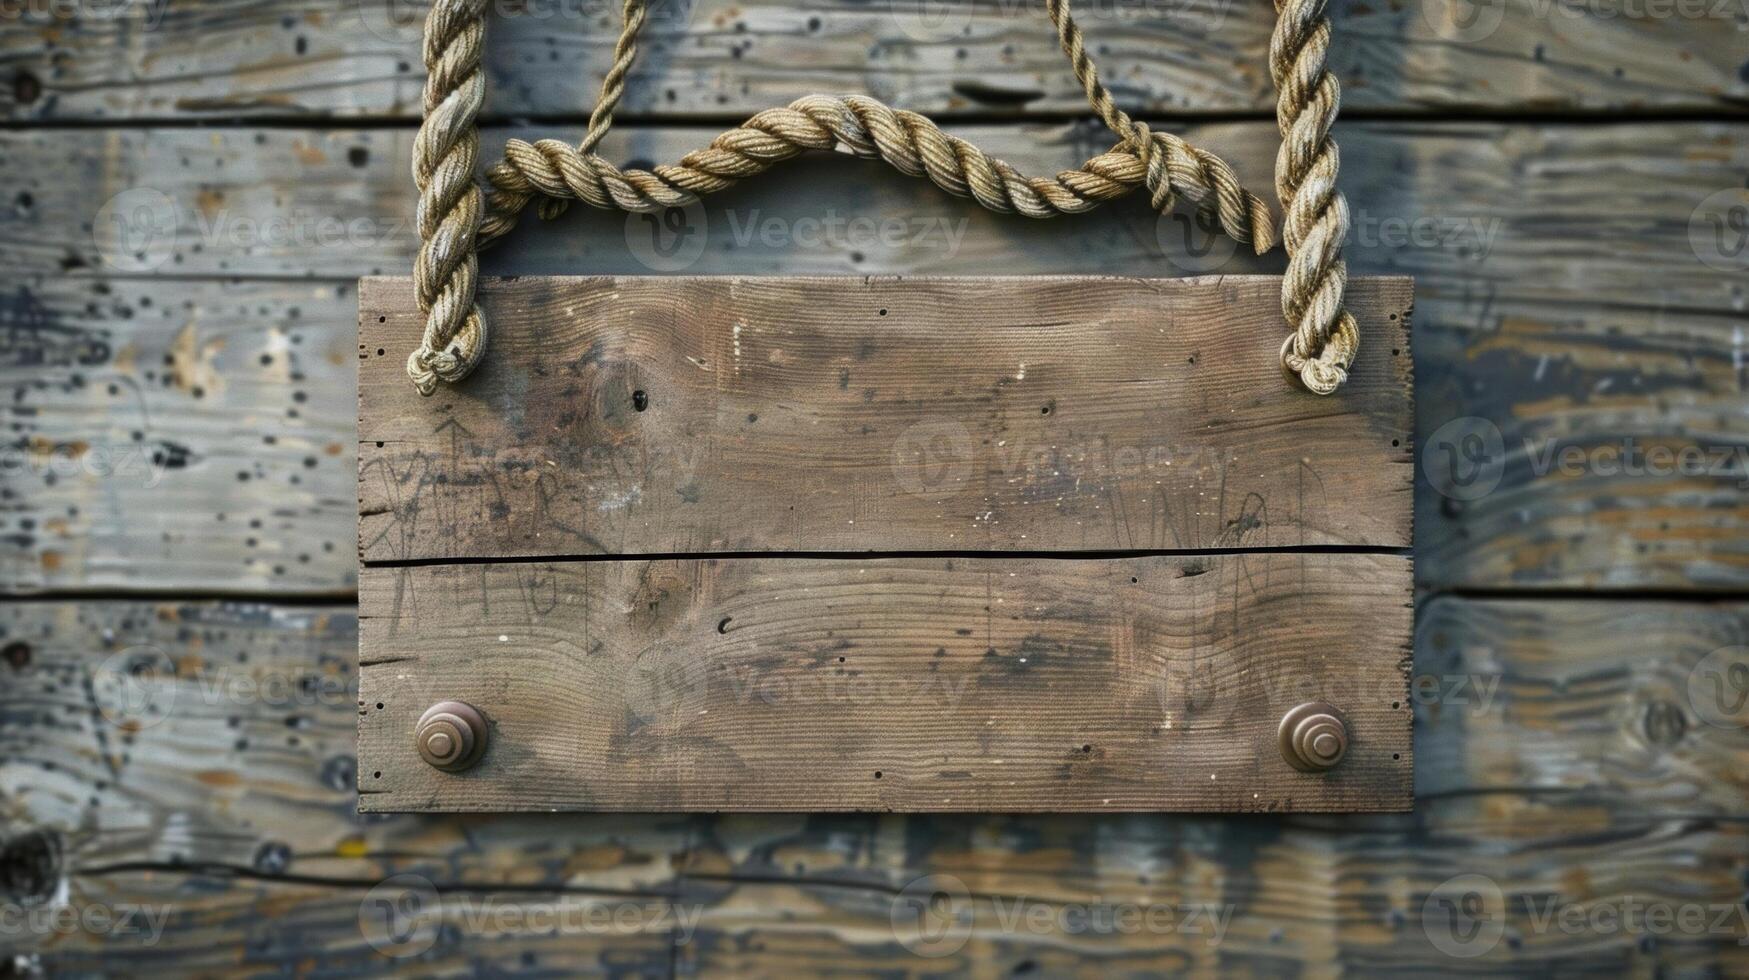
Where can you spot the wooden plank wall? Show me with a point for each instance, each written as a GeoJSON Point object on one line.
{"type": "Point", "coordinates": [177, 495]}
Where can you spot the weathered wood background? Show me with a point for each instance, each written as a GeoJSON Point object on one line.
{"type": "Point", "coordinates": [177, 496]}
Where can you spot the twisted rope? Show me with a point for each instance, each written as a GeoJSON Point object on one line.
{"type": "Point", "coordinates": [555, 171]}
{"type": "Point", "coordinates": [446, 271]}
{"type": "Point", "coordinates": [1315, 214]}
{"type": "Point", "coordinates": [552, 172]}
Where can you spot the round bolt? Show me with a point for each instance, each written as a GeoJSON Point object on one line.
{"type": "Point", "coordinates": [1313, 737]}
{"type": "Point", "coordinates": [451, 735]}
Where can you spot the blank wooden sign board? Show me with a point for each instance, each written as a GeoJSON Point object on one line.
{"type": "Point", "coordinates": [884, 544]}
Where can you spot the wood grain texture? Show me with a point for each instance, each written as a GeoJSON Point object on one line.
{"type": "Point", "coordinates": [1589, 779]}
{"type": "Point", "coordinates": [1599, 342]}
{"type": "Point", "coordinates": [178, 434]}
{"type": "Point", "coordinates": [360, 58]}
{"type": "Point", "coordinates": [1576, 321]}
{"type": "Point", "coordinates": [230, 812]}
{"type": "Point", "coordinates": [874, 684]}
{"type": "Point", "coordinates": [664, 415]}
{"type": "Point", "coordinates": [1470, 210]}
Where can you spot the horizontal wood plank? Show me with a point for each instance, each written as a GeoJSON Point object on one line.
{"type": "Point", "coordinates": [207, 924]}
{"type": "Point", "coordinates": [360, 58]}
{"type": "Point", "coordinates": [666, 415]}
{"type": "Point", "coordinates": [1604, 321]}
{"type": "Point", "coordinates": [905, 684]}
{"type": "Point", "coordinates": [774, 895]}
{"type": "Point", "coordinates": [1472, 211]}
{"type": "Point", "coordinates": [1551, 787]}
{"type": "Point", "coordinates": [1048, 897]}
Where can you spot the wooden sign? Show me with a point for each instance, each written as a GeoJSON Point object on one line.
{"type": "Point", "coordinates": [884, 544]}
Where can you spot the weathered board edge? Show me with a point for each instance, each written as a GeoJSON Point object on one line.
{"type": "Point", "coordinates": [394, 295]}
{"type": "Point", "coordinates": [1371, 641]}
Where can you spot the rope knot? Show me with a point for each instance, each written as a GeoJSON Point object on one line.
{"type": "Point", "coordinates": [1325, 371]}
{"type": "Point", "coordinates": [1155, 154]}
{"type": "Point", "coordinates": [427, 366]}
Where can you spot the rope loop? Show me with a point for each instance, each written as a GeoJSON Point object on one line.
{"type": "Point", "coordinates": [457, 217]}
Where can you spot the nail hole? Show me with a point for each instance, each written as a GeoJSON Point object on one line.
{"type": "Point", "coordinates": [1132, 580]}
{"type": "Point", "coordinates": [877, 774]}
{"type": "Point", "coordinates": [1396, 352]}
{"type": "Point", "coordinates": [17, 653]}
{"type": "Point", "coordinates": [640, 400]}
{"type": "Point", "coordinates": [26, 88]}
{"type": "Point", "coordinates": [382, 319]}
{"type": "Point", "coordinates": [379, 706]}
{"type": "Point", "coordinates": [1395, 443]}
{"type": "Point", "coordinates": [380, 352]}
{"type": "Point", "coordinates": [723, 624]}
{"type": "Point", "coordinates": [883, 311]}
{"type": "Point", "coordinates": [1395, 705]}
{"type": "Point", "coordinates": [376, 775]}
{"type": "Point", "coordinates": [1395, 756]}
{"type": "Point", "coordinates": [1044, 410]}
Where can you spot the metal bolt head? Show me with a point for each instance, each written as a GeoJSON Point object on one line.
{"type": "Point", "coordinates": [1313, 737]}
{"type": "Point", "coordinates": [451, 735]}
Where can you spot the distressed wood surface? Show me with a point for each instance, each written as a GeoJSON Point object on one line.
{"type": "Point", "coordinates": [1540, 752]}
{"type": "Point", "coordinates": [664, 415]}
{"type": "Point", "coordinates": [200, 434]}
{"type": "Point", "coordinates": [1471, 210]}
{"type": "Point", "coordinates": [1558, 298]}
{"type": "Point", "coordinates": [360, 58]}
{"type": "Point", "coordinates": [947, 684]}
{"type": "Point", "coordinates": [1578, 323]}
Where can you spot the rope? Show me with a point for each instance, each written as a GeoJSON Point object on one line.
{"type": "Point", "coordinates": [1315, 214]}
{"type": "Point", "coordinates": [454, 225]}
